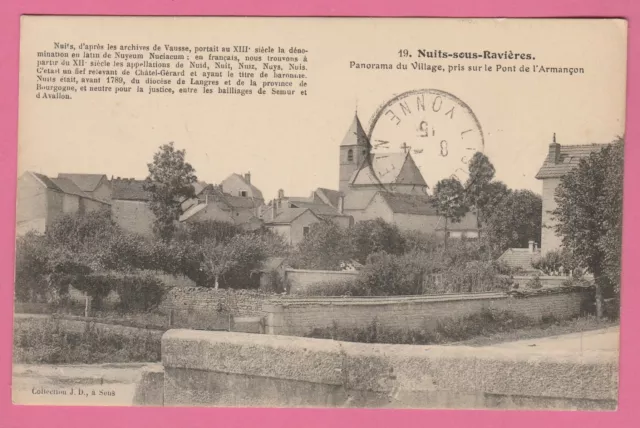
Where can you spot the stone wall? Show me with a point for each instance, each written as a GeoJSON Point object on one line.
{"type": "Point", "coordinates": [207, 308]}
{"type": "Point", "coordinates": [236, 369]}
{"type": "Point", "coordinates": [299, 317]}
{"type": "Point", "coordinates": [299, 279]}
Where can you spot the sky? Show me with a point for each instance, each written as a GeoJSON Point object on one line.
{"type": "Point", "coordinates": [292, 143]}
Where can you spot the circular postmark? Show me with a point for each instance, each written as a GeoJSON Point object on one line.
{"type": "Point", "coordinates": [438, 130]}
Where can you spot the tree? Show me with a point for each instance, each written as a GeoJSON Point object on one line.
{"type": "Point", "coordinates": [325, 247]}
{"type": "Point", "coordinates": [450, 202]}
{"type": "Point", "coordinates": [231, 264]}
{"type": "Point", "coordinates": [372, 236]}
{"type": "Point", "coordinates": [589, 215]}
{"type": "Point", "coordinates": [170, 181]}
{"type": "Point", "coordinates": [513, 221]}
{"type": "Point", "coordinates": [481, 172]}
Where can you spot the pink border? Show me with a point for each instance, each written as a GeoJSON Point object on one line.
{"type": "Point", "coordinates": [14, 416]}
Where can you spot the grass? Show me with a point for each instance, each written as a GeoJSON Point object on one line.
{"type": "Point", "coordinates": [480, 329]}
{"type": "Point", "coordinates": [576, 325]}
{"type": "Point", "coordinates": [46, 341]}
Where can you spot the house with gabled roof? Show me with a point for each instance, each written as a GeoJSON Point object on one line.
{"type": "Point", "coordinates": [240, 185]}
{"type": "Point", "coordinates": [293, 224]}
{"type": "Point", "coordinates": [96, 185]}
{"type": "Point", "coordinates": [314, 203]}
{"type": "Point", "coordinates": [417, 213]}
{"type": "Point", "coordinates": [212, 204]}
{"type": "Point", "coordinates": [560, 160]}
{"type": "Point", "coordinates": [42, 199]}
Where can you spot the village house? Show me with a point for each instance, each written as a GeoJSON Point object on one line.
{"type": "Point", "coordinates": [97, 186]}
{"type": "Point", "coordinates": [293, 224]}
{"type": "Point", "coordinates": [42, 199]}
{"type": "Point", "coordinates": [314, 203]}
{"type": "Point", "coordinates": [212, 204]}
{"type": "Point", "coordinates": [240, 185]}
{"type": "Point", "coordinates": [559, 161]}
{"type": "Point", "coordinates": [417, 213]}
{"type": "Point", "coordinates": [521, 259]}
{"type": "Point", "coordinates": [130, 206]}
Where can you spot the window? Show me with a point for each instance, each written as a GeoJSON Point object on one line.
{"type": "Point", "coordinates": [305, 231]}
{"type": "Point", "coordinates": [350, 156]}
{"type": "Point", "coordinates": [243, 193]}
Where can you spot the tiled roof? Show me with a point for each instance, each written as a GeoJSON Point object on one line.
{"type": "Point", "coordinates": [241, 202]}
{"type": "Point", "coordinates": [191, 211]}
{"type": "Point", "coordinates": [331, 196]}
{"type": "Point", "coordinates": [244, 217]}
{"type": "Point", "coordinates": [409, 204]}
{"type": "Point", "coordinates": [359, 199]}
{"type": "Point", "coordinates": [519, 258]}
{"type": "Point", "coordinates": [86, 182]}
{"type": "Point", "coordinates": [570, 157]}
{"type": "Point", "coordinates": [69, 187]}
{"type": "Point", "coordinates": [47, 182]}
{"type": "Point", "coordinates": [388, 168]}
{"type": "Point", "coordinates": [129, 189]}
{"type": "Point", "coordinates": [355, 136]}
{"type": "Point", "coordinates": [64, 185]}
{"type": "Point", "coordinates": [317, 208]}
{"type": "Point", "coordinates": [288, 215]}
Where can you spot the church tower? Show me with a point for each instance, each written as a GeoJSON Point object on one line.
{"type": "Point", "coordinates": [354, 149]}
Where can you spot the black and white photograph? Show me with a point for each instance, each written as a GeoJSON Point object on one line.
{"type": "Point", "coordinates": [319, 212]}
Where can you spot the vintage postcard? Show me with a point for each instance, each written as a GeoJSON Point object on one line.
{"type": "Point", "coordinates": [319, 212]}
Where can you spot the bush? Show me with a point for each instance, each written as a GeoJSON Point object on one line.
{"type": "Point", "coordinates": [38, 341]}
{"type": "Point", "coordinates": [325, 248]}
{"type": "Point", "coordinates": [387, 275]}
{"type": "Point", "coordinates": [335, 288]}
{"type": "Point", "coordinates": [139, 292]}
{"type": "Point", "coordinates": [375, 236]}
{"type": "Point", "coordinates": [534, 282]}
{"type": "Point", "coordinates": [485, 322]}
{"type": "Point", "coordinates": [556, 262]}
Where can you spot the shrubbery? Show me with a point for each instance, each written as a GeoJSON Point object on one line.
{"type": "Point", "coordinates": [38, 341]}
{"type": "Point", "coordinates": [420, 272]}
{"type": "Point", "coordinates": [92, 254]}
{"type": "Point", "coordinates": [335, 288]}
{"type": "Point", "coordinates": [483, 323]}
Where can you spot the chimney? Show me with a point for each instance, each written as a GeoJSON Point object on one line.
{"type": "Point", "coordinates": [554, 151]}
{"type": "Point", "coordinates": [247, 177]}
{"type": "Point", "coordinates": [280, 194]}
{"type": "Point", "coordinates": [531, 246]}
{"type": "Point", "coordinates": [341, 204]}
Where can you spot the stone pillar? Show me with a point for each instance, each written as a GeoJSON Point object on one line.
{"type": "Point", "coordinates": [274, 319]}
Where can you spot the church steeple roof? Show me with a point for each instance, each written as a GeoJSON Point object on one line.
{"type": "Point", "coordinates": [356, 136]}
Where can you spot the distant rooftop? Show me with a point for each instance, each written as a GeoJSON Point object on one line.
{"type": "Point", "coordinates": [569, 157]}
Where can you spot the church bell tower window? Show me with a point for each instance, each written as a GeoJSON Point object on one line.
{"type": "Point", "coordinates": [350, 155]}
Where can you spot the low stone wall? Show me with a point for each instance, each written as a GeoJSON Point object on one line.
{"type": "Point", "coordinates": [211, 309]}
{"type": "Point", "coordinates": [238, 369]}
{"type": "Point", "coordinates": [299, 279]}
{"type": "Point", "coordinates": [299, 317]}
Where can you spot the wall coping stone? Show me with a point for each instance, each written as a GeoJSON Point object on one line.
{"type": "Point", "coordinates": [341, 272]}
{"type": "Point", "coordinates": [590, 375]}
